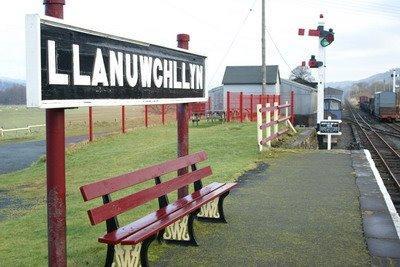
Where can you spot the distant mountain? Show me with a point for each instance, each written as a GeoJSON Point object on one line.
{"type": "Point", "coordinates": [6, 83]}
{"type": "Point", "coordinates": [380, 77]}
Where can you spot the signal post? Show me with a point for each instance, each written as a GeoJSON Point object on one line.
{"type": "Point", "coordinates": [325, 38]}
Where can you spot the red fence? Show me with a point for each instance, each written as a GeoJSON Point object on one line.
{"type": "Point", "coordinates": [162, 114]}
{"type": "Point", "coordinates": [240, 107]}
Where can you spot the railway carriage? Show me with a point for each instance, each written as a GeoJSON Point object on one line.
{"type": "Point", "coordinates": [333, 108]}
{"type": "Point", "coordinates": [386, 106]}
{"type": "Point", "coordinates": [364, 102]}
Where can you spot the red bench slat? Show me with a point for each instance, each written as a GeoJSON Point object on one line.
{"type": "Point", "coordinates": [121, 205]}
{"type": "Point", "coordinates": [101, 188]}
{"type": "Point", "coordinates": [116, 236]}
{"type": "Point", "coordinates": [165, 221]}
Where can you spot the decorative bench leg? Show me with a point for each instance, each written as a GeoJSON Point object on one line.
{"type": "Point", "coordinates": [213, 211]}
{"type": "Point", "coordinates": [181, 232]}
{"type": "Point", "coordinates": [132, 255]}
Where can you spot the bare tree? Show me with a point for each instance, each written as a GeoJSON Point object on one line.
{"type": "Point", "coordinates": [364, 89]}
{"type": "Point", "coordinates": [303, 73]}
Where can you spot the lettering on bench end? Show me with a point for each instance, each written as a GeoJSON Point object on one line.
{"type": "Point", "coordinates": [127, 255]}
{"type": "Point", "coordinates": [210, 210]}
{"type": "Point", "coordinates": [178, 231]}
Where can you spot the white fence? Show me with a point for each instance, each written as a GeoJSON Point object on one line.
{"type": "Point", "coordinates": [27, 128]}
{"type": "Point", "coordinates": [268, 119]}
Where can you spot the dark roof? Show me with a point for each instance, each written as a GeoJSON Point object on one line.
{"type": "Point", "coordinates": [333, 91]}
{"type": "Point", "coordinates": [311, 84]}
{"type": "Point", "coordinates": [249, 75]}
{"type": "Point", "coordinates": [297, 85]}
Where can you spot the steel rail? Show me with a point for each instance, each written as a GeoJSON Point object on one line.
{"type": "Point", "coordinates": [395, 126]}
{"type": "Point", "coordinates": [374, 145]}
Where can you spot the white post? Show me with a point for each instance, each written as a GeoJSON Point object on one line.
{"type": "Point", "coordinates": [268, 120]}
{"type": "Point", "coordinates": [276, 117]}
{"type": "Point", "coordinates": [329, 141]}
{"type": "Point", "coordinates": [329, 137]}
{"type": "Point", "coordinates": [259, 124]}
{"type": "Point", "coordinates": [287, 113]}
{"type": "Point", "coordinates": [321, 77]}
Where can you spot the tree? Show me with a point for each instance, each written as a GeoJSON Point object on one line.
{"type": "Point", "coordinates": [303, 73]}
{"type": "Point", "coordinates": [365, 89]}
{"type": "Point", "coordinates": [14, 95]}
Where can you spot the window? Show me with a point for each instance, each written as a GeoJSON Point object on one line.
{"type": "Point", "coordinates": [335, 105]}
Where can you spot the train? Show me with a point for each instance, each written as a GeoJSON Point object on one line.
{"type": "Point", "coordinates": [332, 108]}
{"type": "Point", "coordinates": [333, 99]}
{"type": "Point", "coordinates": [383, 105]}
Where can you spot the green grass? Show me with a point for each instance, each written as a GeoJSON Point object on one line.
{"type": "Point", "coordinates": [105, 119]}
{"type": "Point", "coordinates": [231, 147]}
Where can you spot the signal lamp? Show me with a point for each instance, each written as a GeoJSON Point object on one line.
{"type": "Point", "coordinates": [327, 38]}
{"type": "Point", "coordinates": [314, 64]}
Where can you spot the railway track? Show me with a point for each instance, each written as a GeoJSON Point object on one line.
{"type": "Point", "coordinates": [390, 129]}
{"type": "Point", "coordinates": [394, 126]}
{"type": "Point", "coordinates": [386, 157]}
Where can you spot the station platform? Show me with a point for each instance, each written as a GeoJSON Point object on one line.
{"type": "Point", "coordinates": [303, 207]}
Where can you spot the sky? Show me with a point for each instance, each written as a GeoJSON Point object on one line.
{"type": "Point", "coordinates": [228, 32]}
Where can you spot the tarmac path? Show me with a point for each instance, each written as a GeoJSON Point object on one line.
{"type": "Point", "coordinates": [300, 209]}
{"type": "Point", "coordinates": [17, 156]}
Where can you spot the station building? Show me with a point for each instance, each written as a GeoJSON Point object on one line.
{"type": "Point", "coordinates": [248, 79]}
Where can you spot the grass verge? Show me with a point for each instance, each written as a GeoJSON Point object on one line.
{"type": "Point", "coordinates": [232, 149]}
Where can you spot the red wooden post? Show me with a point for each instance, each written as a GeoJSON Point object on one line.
{"type": "Point", "coordinates": [123, 119]}
{"type": "Point", "coordinates": [183, 122]}
{"type": "Point", "coordinates": [241, 106]}
{"type": "Point", "coordinates": [292, 115]}
{"type": "Point", "coordinates": [163, 114]}
{"type": "Point", "coordinates": [267, 99]}
{"type": "Point", "coordinates": [251, 107]}
{"type": "Point", "coordinates": [146, 116]}
{"type": "Point", "coordinates": [55, 169]}
{"type": "Point", "coordinates": [228, 106]}
{"type": "Point", "coordinates": [90, 124]}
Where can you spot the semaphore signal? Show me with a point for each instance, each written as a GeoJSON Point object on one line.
{"type": "Point", "coordinates": [325, 39]}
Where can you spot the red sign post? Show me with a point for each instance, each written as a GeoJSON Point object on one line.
{"type": "Point", "coordinates": [183, 122]}
{"type": "Point", "coordinates": [55, 166]}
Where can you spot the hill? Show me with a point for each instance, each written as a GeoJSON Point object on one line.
{"type": "Point", "coordinates": [384, 77]}
{"type": "Point", "coordinates": [7, 83]}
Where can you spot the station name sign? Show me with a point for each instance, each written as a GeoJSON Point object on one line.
{"type": "Point", "coordinates": [68, 66]}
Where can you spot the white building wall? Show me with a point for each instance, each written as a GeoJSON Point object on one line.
{"type": "Point", "coordinates": [218, 94]}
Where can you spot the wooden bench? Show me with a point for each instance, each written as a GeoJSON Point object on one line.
{"type": "Point", "coordinates": [128, 245]}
